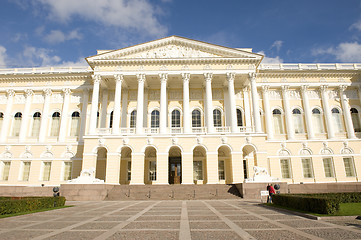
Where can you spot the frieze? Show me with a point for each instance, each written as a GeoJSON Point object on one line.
{"type": "Point", "coordinates": [19, 99]}
{"type": "Point", "coordinates": [314, 94]}
{"type": "Point", "coordinates": [175, 95]}
{"type": "Point", "coordinates": [351, 94]}
{"type": "Point", "coordinates": [275, 95]}
{"type": "Point", "coordinates": [333, 94]}
{"type": "Point", "coordinates": [154, 94]}
{"type": "Point", "coordinates": [217, 94]}
{"type": "Point", "coordinates": [195, 94]}
{"type": "Point", "coordinates": [295, 95]}
{"type": "Point", "coordinates": [56, 98]}
{"type": "Point", "coordinates": [38, 98]}
{"type": "Point", "coordinates": [3, 99]}
{"type": "Point", "coordinates": [75, 98]}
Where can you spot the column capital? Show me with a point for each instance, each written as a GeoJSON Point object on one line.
{"type": "Point", "coordinates": [10, 92]}
{"type": "Point", "coordinates": [66, 91]}
{"type": "Point", "coordinates": [163, 77]}
{"type": "Point", "coordinates": [119, 78]}
{"type": "Point", "coordinates": [265, 88]}
{"type": "Point", "coordinates": [323, 88]}
{"type": "Point", "coordinates": [304, 88]}
{"type": "Point", "coordinates": [29, 92]}
{"type": "Point", "coordinates": [208, 76]}
{"type": "Point", "coordinates": [96, 78]}
{"type": "Point", "coordinates": [245, 89]}
{"type": "Point", "coordinates": [231, 76]}
{"type": "Point", "coordinates": [47, 92]}
{"type": "Point", "coordinates": [342, 88]}
{"type": "Point", "coordinates": [285, 88]}
{"type": "Point", "coordinates": [141, 77]}
{"type": "Point", "coordinates": [186, 76]}
{"type": "Point", "coordinates": [252, 76]}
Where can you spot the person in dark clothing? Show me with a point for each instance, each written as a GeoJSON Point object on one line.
{"type": "Point", "coordinates": [271, 191]}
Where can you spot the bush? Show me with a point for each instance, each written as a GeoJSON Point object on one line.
{"type": "Point", "coordinates": [11, 205]}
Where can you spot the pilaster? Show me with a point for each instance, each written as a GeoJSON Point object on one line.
{"type": "Point", "coordinates": [64, 115]}
{"type": "Point", "coordinates": [267, 112]}
{"type": "Point", "coordinates": [7, 116]}
{"type": "Point", "coordinates": [117, 97]}
{"type": "Point", "coordinates": [45, 115]}
{"type": "Point", "coordinates": [163, 103]}
{"type": "Point", "coordinates": [25, 122]}
{"type": "Point", "coordinates": [140, 106]}
{"type": "Point", "coordinates": [232, 102]}
{"type": "Point", "coordinates": [346, 112]}
{"type": "Point", "coordinates": [288, 113]}
{"type": "Point", "coordinates": [209, 104]}
{"type": "Point", "coordinates": [255, 103]}
{"type": "Point", "coordinates": [308, 112]}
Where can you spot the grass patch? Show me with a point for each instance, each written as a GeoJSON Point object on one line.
{"type": "Point", "coordinates": [34, 211]}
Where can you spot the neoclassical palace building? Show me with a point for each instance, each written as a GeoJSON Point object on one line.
{"type": "Point", "coordinates": [180, 111]}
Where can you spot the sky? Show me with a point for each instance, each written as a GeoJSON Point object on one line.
{"type": "Point", "coordinates": [39, 33]}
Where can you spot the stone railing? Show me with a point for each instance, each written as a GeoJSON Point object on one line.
{"type": "Point", "coordinates": [311, 66]}
{"type": "Point", "coordinates": [45, 70]}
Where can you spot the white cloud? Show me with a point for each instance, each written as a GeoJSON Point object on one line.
{"type": "Point", "coordinates": [79, 63]}
{"type": "Point", "coordinates": [33, 56]}
{"type": "Point", "coordinates": [57, 36]}
{"type": "Point", "coordinates": [277, 44]}
{"type": "Point", "coordinates": [344, 52]}
{"type": "Point", "coordinates": [356, 25]}
{"type": "Point", "coordinates": [3, 57]}
{"type": "Point", "coordinates": [135, 14]}
{"type": "Point", "coordinates": [272, 60]}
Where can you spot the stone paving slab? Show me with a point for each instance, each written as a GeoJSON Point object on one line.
{"type": "Point", "coordinates": [173, 219]}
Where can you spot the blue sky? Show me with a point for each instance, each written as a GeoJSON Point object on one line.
{"type": "Point", "coordinates": [63, 32]}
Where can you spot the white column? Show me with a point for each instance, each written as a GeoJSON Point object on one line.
{"type": "Point", "coordinates": [186, 112]}
{"type": "Point", "coordinates": [209, 104]}
{"type": "Point", "coordinates": [359, 93]}
{"type": "Point", "coordinates": [288, 113]}
{"type": "Point", "coordinates": [84, 110]}
{"type": "Point", "coordinates": [7, 115]}
{"type": "Point", "coordinates": [255, 103]}
{"type": "Point", "coordinates": [95, 103]}
{"type": "Point", "coordinates": [123, 122]}
{"type": "Point", "coordinates": [64, 115]}
{"type": "Point", "coordinates": [267, 112]}
{"type": "Point", "coordinates": [104, 109]}
{"type": "Point", "coordinates": [24, 121]}
{"type": "Point", "coordinates": [140, 104]}
{"type": "Point", "coordinates": [308, 112]}
{"type": "Point", "coordinates": [117, 98]}
{"type": "Point", "coordinates": [247, 110]}
{"type": "Point", "coordinates": [45, 115]}
{"type": "Point", "coordinates": [327, 112]}
{"type": "Point", "coordinates": [232, 102]}
{"type": "Point", "coordinates": [346, 112]}
{"type": "Point", "coordinates": [163, 103]}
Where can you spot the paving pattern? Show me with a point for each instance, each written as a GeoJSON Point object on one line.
{"type": "Point", "coordinates": [208, 219]}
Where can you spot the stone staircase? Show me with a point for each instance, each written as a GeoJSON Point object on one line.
{"type": "Point", "coordinates": [169, 192]}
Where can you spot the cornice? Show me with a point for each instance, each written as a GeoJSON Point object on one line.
{"type": "Point", "coordinates": [42, 77]}
{"type": "Point", "coordinates": [309, 74]}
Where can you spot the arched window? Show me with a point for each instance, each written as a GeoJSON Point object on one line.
{"type": "Point", "coordinates": [175, 119]}
{"type": "Point", "coordinates": [239, 118]}
{"type": "Point", "coordinates": [133, 119]}
{"type": "Point", "coordinates": [1, 119]}
{"type": "Point", "coordinates": [317, 121]}
{"type": "Point", "coordinates": [17, 124]}
{"type": "Point", "coordinates": [277, 121]}
{"type": "Point", "coordinates": [217, 118]}
{"type": "Point", "coordinates": [297, 120]}
{"type": "Point", "coordinates": [75, 120]}
{"type": "Point", "coordinates": [337, 120]}
{"type": "Point", "coordinates": [55, 124]}
{"type": "Point", "coordinates": [196, 119]}
{"type": "Point", "coordinates": [36, 124]}
{"type": "Point", "coordinates": [154, 119]}
{"type": "Point", "coordinates": [355, 120]}
{"type": "Point", "coordinates": [111, 120]}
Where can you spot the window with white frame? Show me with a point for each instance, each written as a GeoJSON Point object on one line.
{"type": "Point", "coordinates": [196, 119]}
{"type": "Point", "coordinates": [154, 119]}
{"type": "Point", "coordinates": [217, 118]}
{"type": "Point", "coordinates": [239, 118]}
{"type": "Point", "coordinates": [75, 121]}
{"type": "Point", "coordinates": [17, 124]}
{"type": "Point", "coordinates": [297, 121]}
{"type": "Point", "coordinates": [36, 124]}
{"type": "Point", "coordinates": [197, 170]}
{"type": "Point", "coordinates": [337, 120]}
{"type": "Point", "coordinates": [285, 168]}
{"type": "Point", "coordinates": [26, 171]}
{"type": "Point", "coordinates": [152, 170]}
{"type": "Point", "coordinates": [46, 171]}
{"type": "Point", "coordinates": [355, 119]}
{"type": "Point", "coordinates": [317, 121]}
{"type": "Point", "coordinates": [221, 175]}
{"type": "Point", "coordinates": [67, 171]}
{"type": "Point", "coordinates": [129, 170]}
{"type": "Point", "coordinates": [175, 119]}
{"type": "Point", "coordinates": [328, 167]}
{"type": "Point", "coordinates": [307, 168]}
{"type": "Point", "coordinates": [55, 124]}
{"type": "Point", "coordinates": [277, 121]}
{"type": "Point", "coordinates": [5, 170]}
{"type": "Point", "coordinates": [349, 166]}
{"type": "Point", "coordinates": [133, 119]}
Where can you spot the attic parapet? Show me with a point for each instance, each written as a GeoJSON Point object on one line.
{"type": "Point", "coordinates": [311, 66]}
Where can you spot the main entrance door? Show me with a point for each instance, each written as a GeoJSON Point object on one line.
{"type": "Point", "coordinates": [175, 170]}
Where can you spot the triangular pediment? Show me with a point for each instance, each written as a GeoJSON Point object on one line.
{"type": "Point", "coordinates": [174, 47]}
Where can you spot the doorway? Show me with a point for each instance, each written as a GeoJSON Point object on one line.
{"type": "Point", "coordinates": [175, 170]}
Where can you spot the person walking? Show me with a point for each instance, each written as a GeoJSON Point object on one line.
{"type": "Point", "coordinates": [271, 191]}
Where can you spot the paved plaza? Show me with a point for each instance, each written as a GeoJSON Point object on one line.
{"type": "Point", "coordinates": [208, 219]}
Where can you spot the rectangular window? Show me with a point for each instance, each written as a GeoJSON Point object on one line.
{"type": "Point", "coordinates": [17, 124]}
{"type": "Point", "coordinates": [152, 171]}
{"type": "Point", "coordinates": [26, 171]}
{"type": "Point", "coordinates": [129, 170]}
{"type": "Point", "coordinates": [46, 171]}
{"type": "Point", "coordinates": [285, 168]}
{"type": "Point", "coordinates": [36, 127]}
{"type": "Point", "coordinates": [197, 170]}
{"type": "Point", "coordinates": [5, 171]}
{"type": "Point", "coordinates": [67, 171]}
{"type": "Point", "coordinates": [74, 130]}
{"type": "Point", "coordinates": [55, 123]}
{"type": "Point", "coordinates": [327, 164]}
{"type": "Point", "coordinates": [221, 174]}
{"type": "Point", "coordinates": [307, 168]}
{"type": "Point", "coordinates": [349, 167]}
